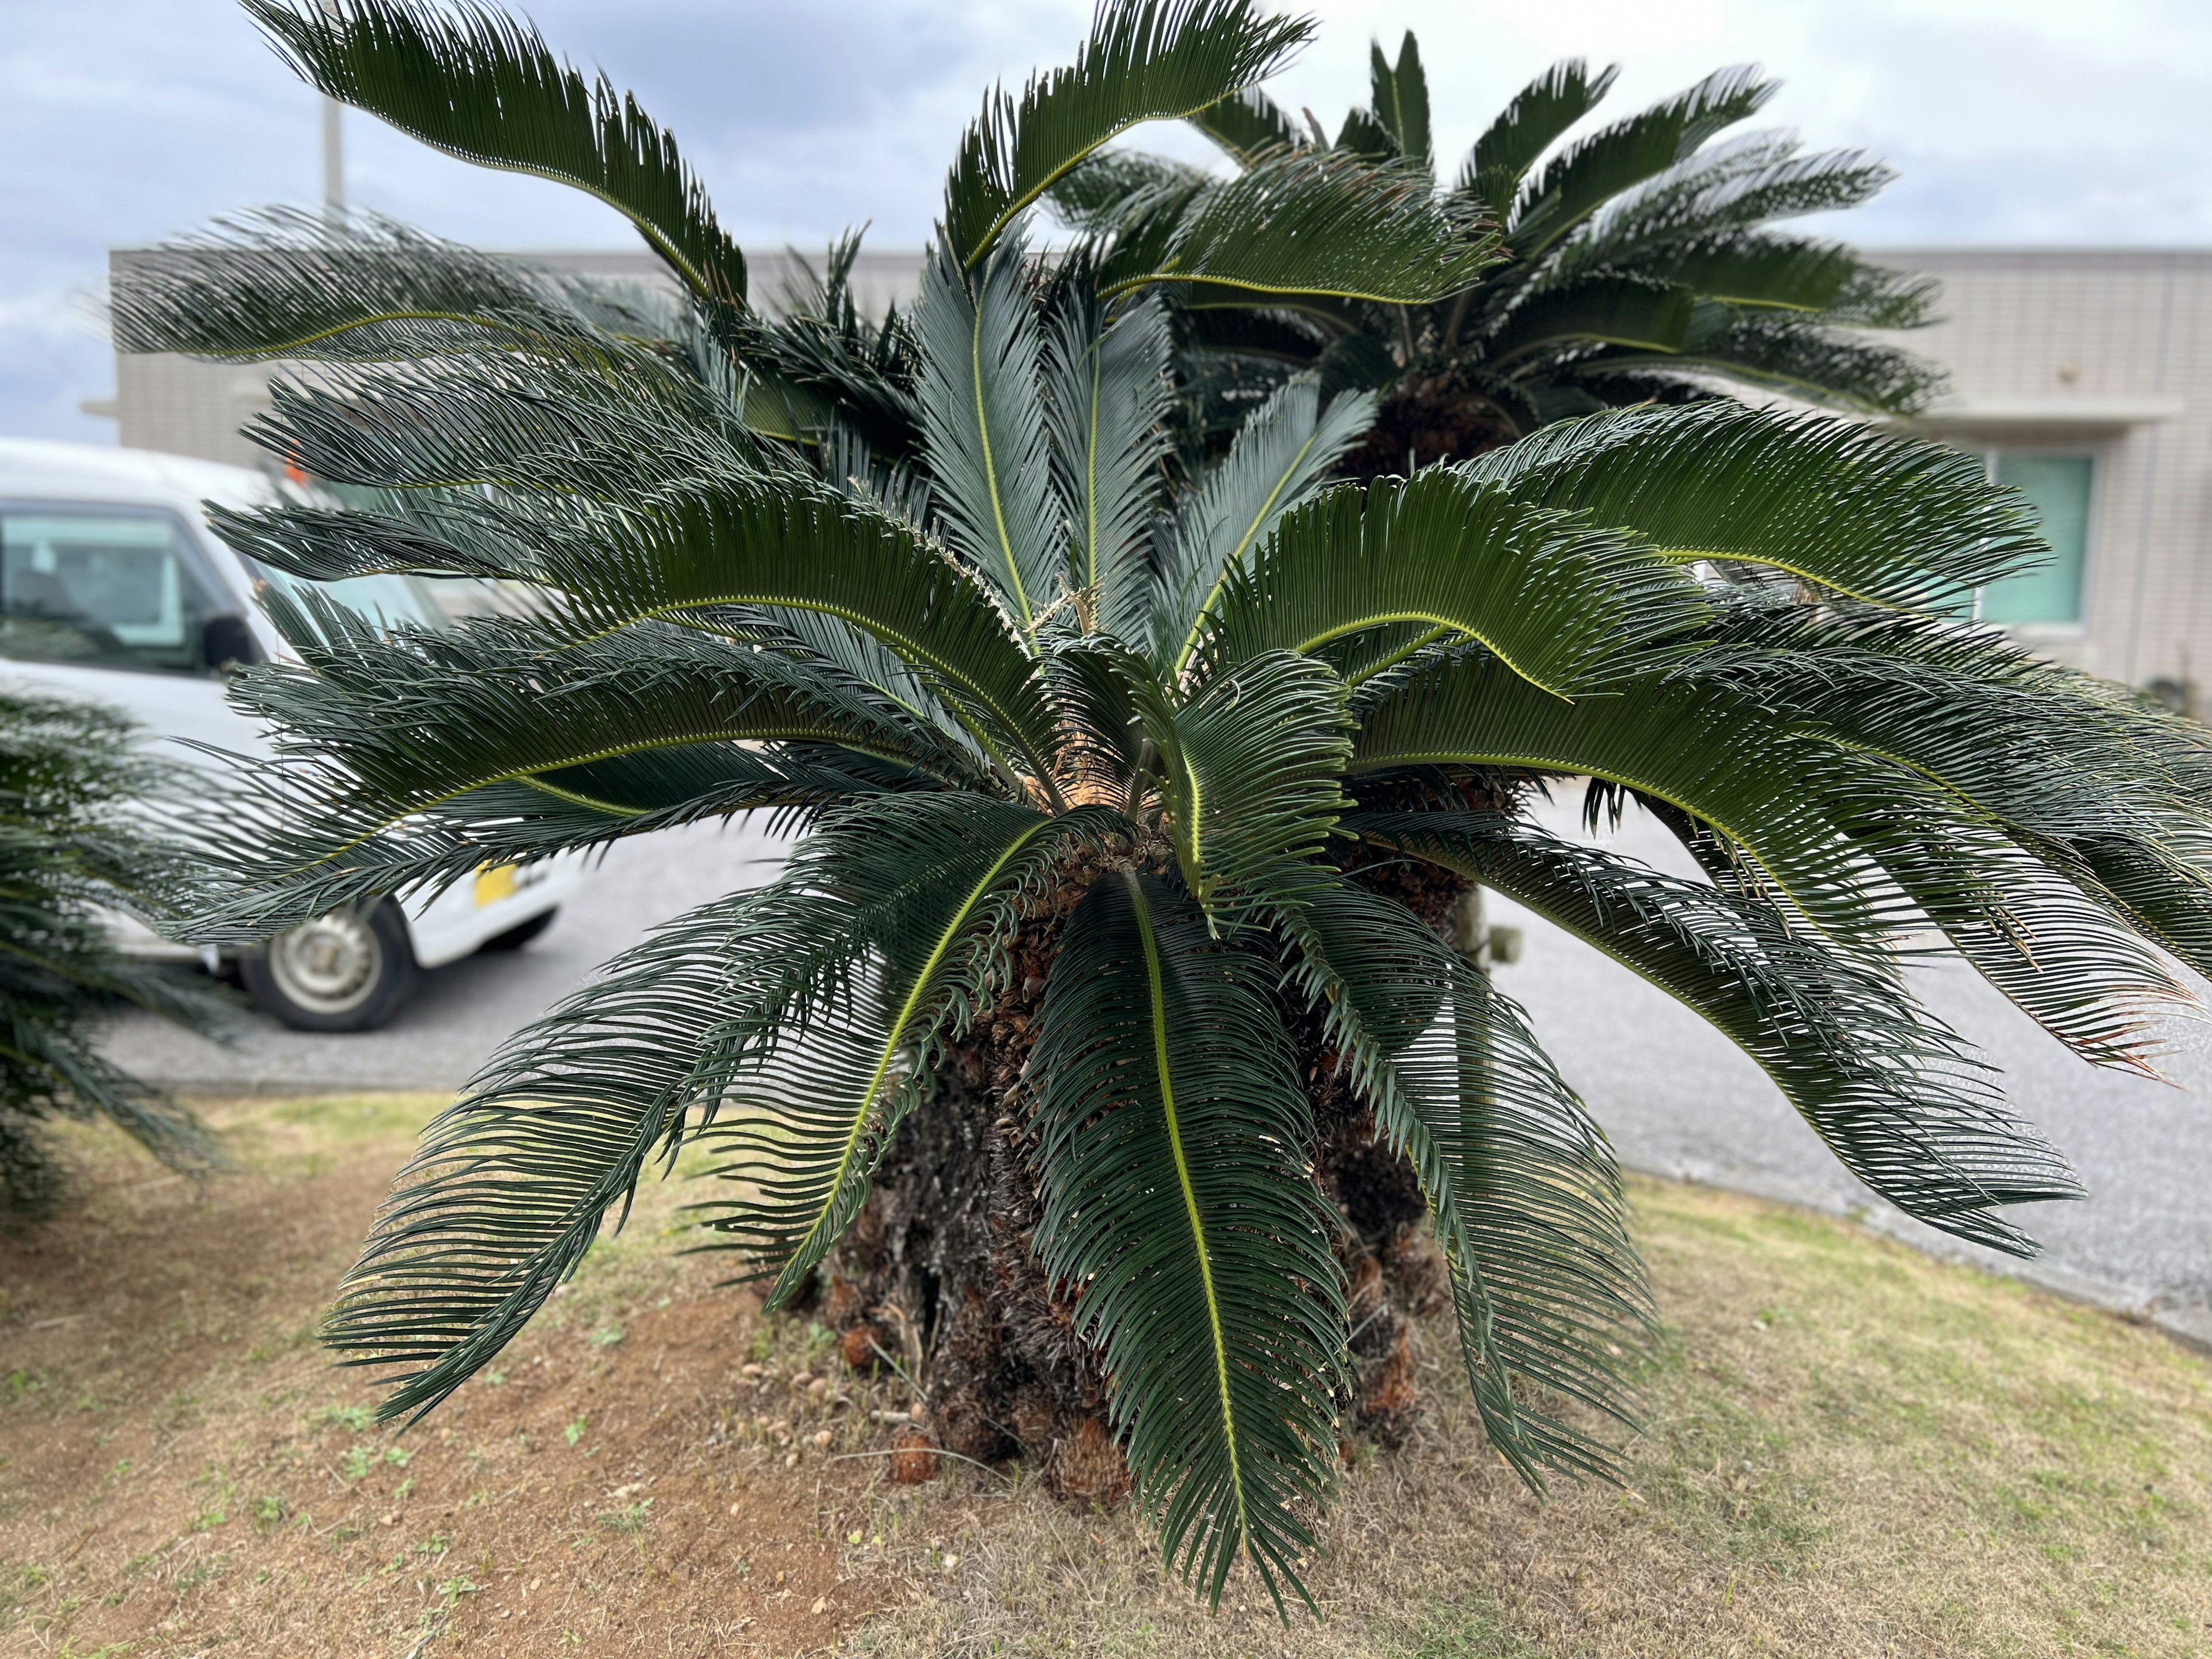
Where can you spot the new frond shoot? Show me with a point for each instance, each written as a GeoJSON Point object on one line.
{"type": "Point", "coordinates": [1105, 1030]}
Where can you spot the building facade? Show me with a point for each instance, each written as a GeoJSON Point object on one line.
{"type": "Point", "coordinates": [2084, 378]}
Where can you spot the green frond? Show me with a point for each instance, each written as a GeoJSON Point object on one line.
{"type": "Point", "coordinates": [1872, 515]}
{"type": "Point", "coordinates": [519, 425]}
{"type": "Point", "coordinates": [480, 86]}
{"type": "Point", "coordinates": [1171, 1125]}
{"type": "Point", "coordinates": [1110, 373]}
{"type": "Point", "coordinates": [1314, 222]}
{"type": "Point", "coordinates": [1771, 791]}
{"type": "Point", "coordinates": [512, 1183]}
{"type": "Point", "coordinates": [1897, 1095]}
{"type": "Point", "coordinates": [984, 418]}
{"type": "Point", "coordinates": [1248, 125]}
{"type": "Point", "coordinates": [1581, 180]}
{"type": "Point", "coordinates": [808, 1101]}
{"type": "Point", "coordinates": [1562, 602]}
{"type": "Point", "coordinates": [1400, 93]}
{"type": "Point", "coordinates": [1145, 60]}
{"type": "Point", "coordinates": [1280, 456]}
{"type": "Point", "coordinates": [278, 283]}
{"type": "Point", "coordinates": [1524, 1193]}
{"type": "Point", "coordinates": [1539, 113]}
{"type": "Point", "coordinates": [1756, 269]}
{"type": "Point", "coordinates": [786, 541]}
{"type": "Point", "coordinates": [1779, 351]}
{"type": "Point", "coordinates": [1609, 308]}
{"type": "Point", "coordinates": [1250, 770]}
{"type": "Point", "coordinates": [1735, 184]}
{"type": "Point", "coordinates": [655, 726]}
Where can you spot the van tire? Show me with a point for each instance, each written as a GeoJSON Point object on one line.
{"type": "Point", "coordinates": [346, 971]}
{"type": "Point", "coordinates": [521, 934]}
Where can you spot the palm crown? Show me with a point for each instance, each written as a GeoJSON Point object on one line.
{"type": "Point", "coordinates": [1641, 260]}
{"type": "Point", "coordinates": [1029, 683]}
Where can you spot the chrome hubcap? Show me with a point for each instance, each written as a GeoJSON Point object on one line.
{"type": "Point", "coordinates": [328, 965]}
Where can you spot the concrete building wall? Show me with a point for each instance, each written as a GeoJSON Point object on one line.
{"type": "Point", "coordinates": [2106, 354]}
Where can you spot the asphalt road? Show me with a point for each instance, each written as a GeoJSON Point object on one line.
{"type": "Point", "coordinates": [1676, 1096]}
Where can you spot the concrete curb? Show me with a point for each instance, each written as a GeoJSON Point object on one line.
{"type": "Point", "coordinates": [2188, 1323]}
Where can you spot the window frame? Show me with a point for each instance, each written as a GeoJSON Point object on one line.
{"type": "Point", "coordinates": [2097, 456]}
{"type": "Point", "coordinates": [190, 553]}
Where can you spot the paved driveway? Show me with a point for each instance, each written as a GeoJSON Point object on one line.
{"type": "Point", "coordinates": [1676, 1096]}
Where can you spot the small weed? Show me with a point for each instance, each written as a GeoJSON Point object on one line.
{"type": "Point", "coordinates": [268, 1510]}
{"type": "Point", "coordinates": [20, 1385]}
{"type": "Point", "coordinates": [629, 1518]}
{"type": "Point", "coordinates": [574, 1432]}
{"type": "Point", "coordinates": [354, 1418]}
{"type": "Point", "coordinates": [607, 1336]}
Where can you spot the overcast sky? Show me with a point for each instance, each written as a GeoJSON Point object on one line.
{"type": "Point", "coordinates": [123, 121]}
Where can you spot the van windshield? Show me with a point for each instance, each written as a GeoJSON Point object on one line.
{"type": "Point", "coordinates": [390, 599]}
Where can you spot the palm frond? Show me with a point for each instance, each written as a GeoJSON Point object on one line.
{"type": "Point", "coordinates": [1899, 1097]}
{"type": "Point", "coordinates": [279, 284]}
{"type": "Point", "coordinates": [1737, 183]}
{"type": "Point", "coordinates": [1526, 1196]}
{"type": "Point", "coordinates": [634, 731]}
{"type": "Point", "coordinates": [1870, 514]}
{"type": "Point", "coordinates": [1538, 114]}
{"type": "Point", "coordinates": [1777, 352]}
{"type": "Point", "coordinates": [519, 425]}
{"type": "Point", "coordinates": [512, 1183]}
{"type": "Point", "coordinates": [984, 417]}
{"type": "Point", "coordinates": [806, 1101]}
{"type": "Point", "coordinates": [1250, 766]}
{"type": "Point", "coordinates": [1611, 308]}
{"type": "Point", "coordinates": [788, 541]}
{"type": "Point", "coordinates": [1248, 125]}
{"type": "Point", "coordinates": [1145, 60]}
{"type": "Point", "coordinates": [1588, 174]}
{"type": "Point", "coordinates": [1169, 1123]}
{"type": "Point", "coordinates": [1314, 222]}
{"type": "Point", "coordinates": [1776, 793]}
{"type": "Point", "coordinates": [480, 86]}
{"type": "Point", "coordinates": [1401, 94]}
{"type": "Point", "coordinates": [1109, 372]}
{"type": "Point", "coordinates": [1280, 456]}
{"type": "Point", "coordinates": [1564, 604]}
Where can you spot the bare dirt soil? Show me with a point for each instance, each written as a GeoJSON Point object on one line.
{"type": "Point", "coordinates": [1851, 1450]}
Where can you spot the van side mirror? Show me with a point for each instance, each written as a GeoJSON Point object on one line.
{"type": "Point", "coordinates": [227, 644]}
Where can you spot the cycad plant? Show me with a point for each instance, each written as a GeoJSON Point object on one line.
{"type": "Point", "coordinates": [79, 845]}
{"type": "Point", "coordinates": [1642, 260]}
{"type": "Point", "coordinates": [1114, 955]}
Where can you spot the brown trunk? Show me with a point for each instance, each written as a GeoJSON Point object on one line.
{"type": "Point", "coordinates": [936, 1278]}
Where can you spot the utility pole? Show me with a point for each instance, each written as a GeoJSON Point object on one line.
{"type": "Point", "coordinates": [334, 208]}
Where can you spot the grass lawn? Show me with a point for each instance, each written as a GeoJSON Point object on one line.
{"type": "Point", "coordinates": [1851, 1450]}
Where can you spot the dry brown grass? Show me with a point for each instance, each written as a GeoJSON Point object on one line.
{"type": "Point", "coordinates": [1852, 1451]}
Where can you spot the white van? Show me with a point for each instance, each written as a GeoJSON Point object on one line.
{"type": "Point", "coordinates": [112, 590]}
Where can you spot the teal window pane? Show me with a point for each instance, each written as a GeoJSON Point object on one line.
{"type": "Point", "coordinates": [2057, 488]}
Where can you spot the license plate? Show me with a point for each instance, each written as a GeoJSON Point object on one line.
{"type": "Point", "coordinates": [494, 883]}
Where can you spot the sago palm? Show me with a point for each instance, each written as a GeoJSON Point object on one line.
{"type": "Point", "coordinates": [1132, 807]}
{"type": "Point", "coordinates": [1643, 260]}
{"type": "Point", "coordinates": [80, 845]}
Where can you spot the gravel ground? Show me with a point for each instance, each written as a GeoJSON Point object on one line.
{"type": "Point", "coordinates": [1677, 1097]}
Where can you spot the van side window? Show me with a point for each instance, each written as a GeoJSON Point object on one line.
{"type": "Point", "coordinates": [106, 587]}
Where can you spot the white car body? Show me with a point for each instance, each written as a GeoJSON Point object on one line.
{"type": "Point", "coordinates": [44, 487]}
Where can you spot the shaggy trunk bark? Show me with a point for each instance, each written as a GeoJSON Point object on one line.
{"type": "Point", "coordinates": [936, 1277]}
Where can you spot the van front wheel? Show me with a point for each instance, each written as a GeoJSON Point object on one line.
{"type": "Point", "coordinates": [347, 971]}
